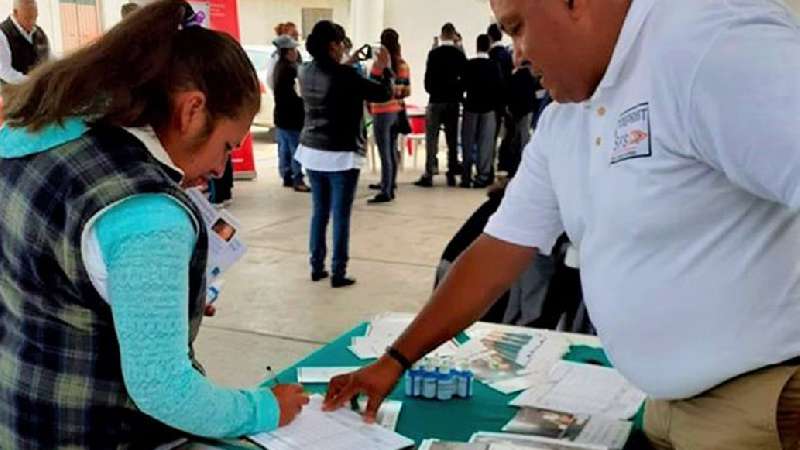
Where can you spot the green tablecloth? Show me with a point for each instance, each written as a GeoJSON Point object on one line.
{"type": "Point", "coordinates": [454, 420]}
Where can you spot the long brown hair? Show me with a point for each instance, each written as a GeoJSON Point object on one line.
{"type": "Point", "coordinates": [391, 40]}
{"type": "Point", "coordinates": [128, 76]}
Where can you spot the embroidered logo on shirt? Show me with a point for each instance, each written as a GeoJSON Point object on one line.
{"type": "Point", "coordinates": [632, 138]}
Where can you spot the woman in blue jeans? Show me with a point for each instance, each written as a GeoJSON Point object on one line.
{"type": "Point", "coordinates": [387, 116]}
{"type": "Point", "coordinates": [289, 113]}
{"type": "Point", "coordinates": [332, 141]}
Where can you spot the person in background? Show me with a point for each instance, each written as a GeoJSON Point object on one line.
{"type": "Point", "coordinates": [23, 45]}
{"type": "Point", "coordinates": [505, 124]}
{"type": "Point", "coordinates": [443, 71]}
{"type": "Point", "coordinates": [332, 141]}
{"type": "Point", "coordinates": [522, 105]}
{"type": "Point", "coordinates": [221, 188]}
{"type": "Point", "coordinates": [484, 87]}
{"type": "Point", "coordinates": [127, 9]}
{"type": "Point", "coordinates": [386, 115]}
{"type": "Point", "coordinates": [102, 291]}
{"type": "Point", "coordinates": [289, 113]}
{"type": "Point", "coordinates": [282, 29]}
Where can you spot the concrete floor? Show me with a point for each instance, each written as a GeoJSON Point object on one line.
{"type": "Point", "coordinates": [270, 313]}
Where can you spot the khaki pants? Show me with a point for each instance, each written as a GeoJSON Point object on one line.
{"type": "Point", "coordinates": [757, 411]}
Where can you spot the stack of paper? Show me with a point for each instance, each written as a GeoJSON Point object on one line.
{"type": "Point", "coordinates": [578, 428]}
{"type": "Point", "coordinates": [314, 429]}
{"type": "Point", "coordinates": [383, 331]}
{"type": "Point", "coordinates": [584, 389]}
{"type": "Point", "coordinates": [321, 375]}
{"type": "Point", "coordinates": [506, 441]}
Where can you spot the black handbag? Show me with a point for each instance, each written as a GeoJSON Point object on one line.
{"type": "Point", "coordinates": [403, 125]}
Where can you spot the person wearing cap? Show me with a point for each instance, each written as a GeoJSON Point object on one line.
{"type": "Point", "coordinates": [683, 203]}
{"type": "Point", "coordinates": [289, 113]}
{"type": "Point", "coordinates": [282, 29]}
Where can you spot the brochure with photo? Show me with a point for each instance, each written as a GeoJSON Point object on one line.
{"type": "Point", "coordinates": [524, 442]}
{"type": "Point", "coordinates": [225, 248]}
{"type": "Point", "coordinates": [578, 428]}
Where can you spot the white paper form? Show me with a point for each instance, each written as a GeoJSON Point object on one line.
{"type": "Point", "coordinates": [314, 429]}
{"type": "Point", "coordinates": [388, 413]}
{"type": "Point", "coordinates": [584, 389]}
{"type": "Point", "coordinates": [321, 375]}
{"type": "Point", "coordinates": [383, 331]}
{"type": "Point", "coordinates": [610, 433]}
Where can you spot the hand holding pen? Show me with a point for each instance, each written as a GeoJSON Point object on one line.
{"type": "Point", "coordinates": [291, 399]}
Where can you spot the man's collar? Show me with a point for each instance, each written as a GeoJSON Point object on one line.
{"type": "Point", "coordinates": [631, 30]}
{"type": "Point", "coordinates": [482, 55]}
{"type": "Point", "coordinates": [148, 137]}
{"type": "Point", "coordinates": [498, 44]}
{"type": "Point", "coordinates": [451, 43]}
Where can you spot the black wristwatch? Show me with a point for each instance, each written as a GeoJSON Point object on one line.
{"type": "Point", "coordinates": [393, 353]}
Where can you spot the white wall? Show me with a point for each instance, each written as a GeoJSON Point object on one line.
{"type": "Point", "coordinates": [418, 21]}
{"type": "Point", "coordinates": [257, 18]}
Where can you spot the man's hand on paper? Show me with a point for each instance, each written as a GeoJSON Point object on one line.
{"type": "Point", "coordinates": [376, 381]}
{"type": "Point", "coordinates": [291, 399]}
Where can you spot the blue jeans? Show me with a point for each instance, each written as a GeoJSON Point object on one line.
{"type": "Point", "coordinates": [288, 167]}
{"type": "Point", "coordinates": [386, 138]}
{"type": "Point", "coordinates": [331, 192]}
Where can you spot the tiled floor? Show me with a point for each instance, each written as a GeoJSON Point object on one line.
{"type": "Point", "coordinates": [270, 313]}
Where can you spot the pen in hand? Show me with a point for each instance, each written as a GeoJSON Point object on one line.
{"type": "Point", "coordinates": [272, 378]}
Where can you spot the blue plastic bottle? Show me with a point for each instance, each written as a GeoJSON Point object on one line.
{"type": "Point", "coordinates": [446, 383]}
{"type": "Point", "coordinates": [430, 380]}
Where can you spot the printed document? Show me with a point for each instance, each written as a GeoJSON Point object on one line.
{"type": "Point", "coordinates": [343, 429]}
{"type": "Point", "coordinates": [584, 389]}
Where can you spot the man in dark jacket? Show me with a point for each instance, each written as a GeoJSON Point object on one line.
{"type": "Point", "coordinates": [502, 55]}
{"type": "Point", "coordinates": [289, 113]}
{"type": "Point", "coordinates": [523, 102]}
{"type": "Point", "coordinates": [23, 45]}
{"type": "Point", "coordinates": [443, 83]}
{"type": "Point", "coordinates": [484, 88]}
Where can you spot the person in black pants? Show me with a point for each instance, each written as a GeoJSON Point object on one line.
{"type": "Point", "coordinates": [443, 82]}
{"type": "Point", "coordinates": [502, 55]}
{"type": "Point", "coordinates": [484, 87]}
{"type": "Point", "coordinates": [221, 189]}
{"type": "Point", "coordinates": [522, 104]}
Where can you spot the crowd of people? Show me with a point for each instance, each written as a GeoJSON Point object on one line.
{"type": "Point", "coordinates": [484, 104]}
{"type": "Point", "coordinates": [323, 108]}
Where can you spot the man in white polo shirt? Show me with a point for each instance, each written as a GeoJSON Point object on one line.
{"type": "Point", "coordinates": [672, 160]}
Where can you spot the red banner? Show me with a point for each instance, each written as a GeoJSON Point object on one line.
{"type": "Point", "coordinates": [225, 17]}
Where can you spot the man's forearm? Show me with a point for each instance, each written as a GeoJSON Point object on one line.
{"type": "Point", "coordinates": [476, 280]}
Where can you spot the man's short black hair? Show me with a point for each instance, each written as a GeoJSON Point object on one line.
{"type": "Point", "coordinates": [494, 32]}
{"type": "Point", "coordinates": [484, 43]}
{"type": "Point", "coordinates": [449, 30]}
